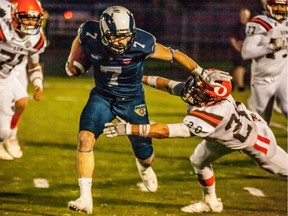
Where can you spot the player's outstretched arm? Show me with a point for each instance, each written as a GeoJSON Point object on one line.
{"type": "Point", "coordinates": [158, 130]}
{"type": "Point", "coordinates": [168, 54]}
{"type": "Point", "coordinates": [167, 85]}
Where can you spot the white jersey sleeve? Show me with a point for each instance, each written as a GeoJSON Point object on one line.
{"type": "Point", "coordinates": [257, 41]}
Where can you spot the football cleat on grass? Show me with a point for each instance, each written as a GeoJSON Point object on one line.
{"type": "Point", "coordinates": [148, 177]}
{"type": "Point", "coordinates": [81, 205]}
{"type": "Point", "coordinates": [4, 155]}
{"type": "Point", "coordinates": [13, 147]}
{"type": "Point", "coordinates": [204, 207]}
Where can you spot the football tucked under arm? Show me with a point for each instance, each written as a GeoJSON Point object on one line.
{"type": "Point", "coordinates": [78, 62]}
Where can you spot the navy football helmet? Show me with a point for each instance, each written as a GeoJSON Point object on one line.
{"type": "Point", "coordinates": [117, 27]}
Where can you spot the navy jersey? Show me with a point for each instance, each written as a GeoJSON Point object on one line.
{"type": "Point", "coordinates": [116, 75]}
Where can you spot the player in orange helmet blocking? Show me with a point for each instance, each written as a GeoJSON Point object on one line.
{"type": "Point", "coordinates": [225, 126]}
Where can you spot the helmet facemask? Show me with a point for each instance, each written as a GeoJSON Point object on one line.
{"type": "Point", "coordinates": [27, 16]}
{"type": "Point", "coordinates": [276, 9]}
{"type": "Point", "coordinates": [23, 25]}
{"type": "Point", "coordinates": [117, 28]}
{"type": "Point", "coordinates": [199, 93]}
{"type": "Point", "coordinates": [193, 95]}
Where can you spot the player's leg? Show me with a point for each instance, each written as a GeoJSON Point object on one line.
{"type": "Point", "coordinates": [20, 97]}
{"type": "Point", "coordinates": [282, 93]}
{"type": "Point", "coordinates": [20, 73]}
{"type": "Point", "coordinates": [4, 134]}
{"type": "Point", "coordinates": [6, 112]}
{"type": "Point", "coordinates": [94, 115]}
{"type": "Point", "coordinates": [204, 154]}
{"type": "Point", "coordinates": [266, 153]}
{"type": "Point", "coordinates": [12, 143]}
{"type": "Point", "coordinates": [238, 77]}
{"type": "Point", "coordinates": [135, 112]}
{"type": "Point", "coordinates": [262, 95]}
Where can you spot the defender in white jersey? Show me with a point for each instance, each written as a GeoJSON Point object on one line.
{"type": "Point", "coordinates": [266, 44]}
{"type": "Point", "coordinates": [225, 126]}
{"type": "Point", "coordinates": [21, 42]}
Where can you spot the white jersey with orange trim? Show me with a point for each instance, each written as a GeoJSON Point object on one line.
{"type": "Point", "coordinates": [266, 62]}
{"type": "Point", "coordinates": [13, 49]}
{"type": "Point", "coordinates": [229, 123]}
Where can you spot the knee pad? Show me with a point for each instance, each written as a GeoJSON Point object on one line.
{"type": "Point", "coordinates": [143, 151]}
{"type": "Point", "coordinates": [198, 157]}
{"type": "Point", "coordinates": [142, 146]}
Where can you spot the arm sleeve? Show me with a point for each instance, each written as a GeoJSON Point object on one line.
{"type": "Point", "coordinates": [252, 47]}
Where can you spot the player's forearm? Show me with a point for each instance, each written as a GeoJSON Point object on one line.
{"type": "Point", "coordinates": [158, 131]}
{"type": "Point", "coordinates": [35, 74]}
{"type": "Point", "coordinates": [185, 60]}
{"type": "Point", "coordinates": [251, 49]}
{"type": "Point", "coordinates": [161, 131]}
{"type": "Point", "coordinates": [169, 54]}
{"type": "Point", "coordinates": [171, 86]}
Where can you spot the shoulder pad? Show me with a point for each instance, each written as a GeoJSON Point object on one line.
{"type": "Point", "coordinates": [41, 43]}
{"type": "Point", "coordinates": [5, 9]}
{"type": "Point", "coordinates": [258, 25]}
{"type": "Point", "coordinates": [5, 30]}
{"type": "Point", "coordinates": [202, 123]}
{"type": "Point", "coordinates": [88, 31]}
{"type": "Point", "coordinates": [144, 41]}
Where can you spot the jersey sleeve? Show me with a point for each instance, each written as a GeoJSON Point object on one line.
{"type": "Point", "coordinates": [202, 123]}
{"type": "Point", "coordinates": [144, 42]}
{"type": "Point", "coordinates": [257, 41]}
{"type": "Point", "coordinates": [257, 25]}
{"type": "Point", "coordinates": [88, 32]}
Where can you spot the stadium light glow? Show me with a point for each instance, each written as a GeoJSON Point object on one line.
{"type": "Point", "coordinates": [68, 14]}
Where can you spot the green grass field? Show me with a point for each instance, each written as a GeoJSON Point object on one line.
{"type": "Point", "coordinates": [48, 135]}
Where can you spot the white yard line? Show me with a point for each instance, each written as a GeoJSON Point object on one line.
{"type": "Point", "coordinates": [41, 183]}
{"type": "Point", "coordinates": [254, 191]}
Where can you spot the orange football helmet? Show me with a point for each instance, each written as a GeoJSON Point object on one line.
{"type": "Point", "coordinates": [199, 93]}
{"type": "Point", "coordinates": [27, 16]}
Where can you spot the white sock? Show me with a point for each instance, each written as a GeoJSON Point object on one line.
{"type": "Point", "coordinates": [210, 198]}
{"type": "Point", "coordinates": [13, 133]}
{"type": "Point", "coordinates": [85, 188]}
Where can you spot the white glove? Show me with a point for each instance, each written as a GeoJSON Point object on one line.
{"type": "Point", "coordinates": [210, 76]}
{"type": "Point", "coordinates": [121, 128]}
{"type": "Point", "coordinates": [277, 43]}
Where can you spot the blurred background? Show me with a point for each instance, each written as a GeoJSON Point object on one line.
{"type": "Point", "coordinates": [199, 28]}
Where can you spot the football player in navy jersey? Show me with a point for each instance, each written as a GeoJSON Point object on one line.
{"type": "Point", "coordinates": [117, 49]}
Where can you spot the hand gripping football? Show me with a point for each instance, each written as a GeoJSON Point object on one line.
{"type": "Point", "coordinates": [79, 62]}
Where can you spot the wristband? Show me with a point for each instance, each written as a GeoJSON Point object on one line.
{"type": "Point", "coordinates": [151, 81]}
{"type": "Point", "coordinates": [199, 70]}
{"type": "Point", "coordinates": [144, 130]}
{"type": "Point", "coordinates": [38, 82]}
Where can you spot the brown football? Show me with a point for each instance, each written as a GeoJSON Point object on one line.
{"type": "Point", "coordinates": [79, 62]}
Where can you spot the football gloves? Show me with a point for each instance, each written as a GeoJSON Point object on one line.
{"type": "Point", "coordinates": [121, 128]}
{"type": "Point", "coordinates": [211, 76]}
{"type": "Point", "coordinates": [277, 43]}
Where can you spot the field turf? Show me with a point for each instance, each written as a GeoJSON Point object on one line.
{"type": "Point", "coordinates": [48, 135]}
